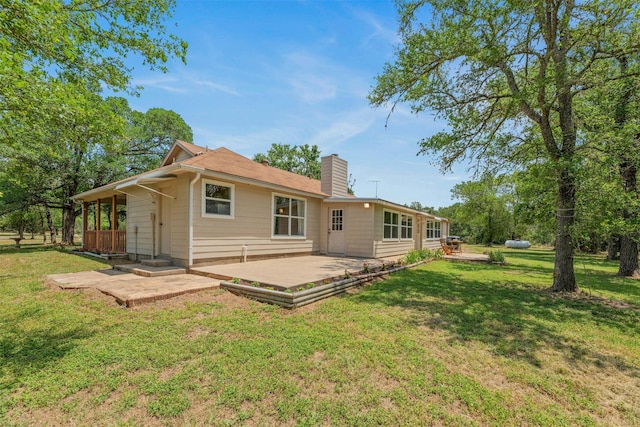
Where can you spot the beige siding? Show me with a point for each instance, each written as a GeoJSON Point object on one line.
{"type": "Point", "coordinates": [182, 155]}
{"type": "Point", "coordinates": [180, 219]}
{"type": "Point", "coordinates": [435, 243]}
{"type": "Point", "coordinates": [251, 225]}
{"type": "Point", "coordinates": [139, 207]}
{"type": "Point", "coordinates": [359, 230]}
{"type": "Point", "coordinates": [334, 179]}
{"type": "Point", "coordinates": [387, 248]}
{"type": "Point", "coordinates": [431, 244]}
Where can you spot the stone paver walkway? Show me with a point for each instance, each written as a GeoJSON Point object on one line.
{"type": "Point", "coordinates": [130, 289]}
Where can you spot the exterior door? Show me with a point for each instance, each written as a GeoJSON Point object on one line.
{"type": "Point", "coordinates": [336, 231]}
{"type": "Point", "coordinates": [165, 220]}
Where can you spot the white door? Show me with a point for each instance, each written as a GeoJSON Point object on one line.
{"type": "Point", "coordinates": [165, 220]}
{"type": "Point", "coordinates": [336, 231]}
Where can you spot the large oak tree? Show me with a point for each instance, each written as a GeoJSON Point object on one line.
{"type": "Point", "coordinates": [82, 42]}
{"type": "Point", "coordinates": [493, 68]}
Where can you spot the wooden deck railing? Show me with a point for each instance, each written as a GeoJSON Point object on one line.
{"type": "Point", "coordinates": [106, 240]}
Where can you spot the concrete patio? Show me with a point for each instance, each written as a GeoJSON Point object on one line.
{"type": "Point", "coordinates": [288, 272]}
{"type": "Point", "coordinates": [132, 289]}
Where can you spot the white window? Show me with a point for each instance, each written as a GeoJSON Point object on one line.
{"type": "Point", "coordinates": [289, 216]}
{"type": "Point", "coordinates": [433, 230]}
{"type": "Point", "coordinates": [390, 226]}
{"type": "Point", "coordinates": [336, 220]}
{"type": "Point", "coordinates": [217, 199]}
{"type": "Point", "coordinates": [406, 227]}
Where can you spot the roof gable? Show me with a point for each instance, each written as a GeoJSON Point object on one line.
{"type": "Point", "coordinates": [181, 150]}
{"type": "Point", "coordinates": [225, 161]}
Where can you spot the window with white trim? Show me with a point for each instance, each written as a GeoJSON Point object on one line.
{"type": "Point", "coordinates": [289, 216]}
{"type": "Point", "coordinates": [390, 225]}
{"type": "Point", "coordinates": [433, 230]}
{"type": "Point", "coordinates": [217, 199]}
{"type": "Point", "coordinates": [406, 227]}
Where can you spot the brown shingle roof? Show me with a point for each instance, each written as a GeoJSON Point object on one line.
{"type": "Point", "coordinates": [226, 161]}
{"type": "Point", "coordinates": [191, 148]}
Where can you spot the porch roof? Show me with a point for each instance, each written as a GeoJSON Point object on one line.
{"type": "Point", "coordinates": [150, 177]}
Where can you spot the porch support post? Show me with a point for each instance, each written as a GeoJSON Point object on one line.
{"type": "Point", "coordinates": [85, 222]}
{"type": "Point", "coordinates": [98, 224]}
{"type": "Point", "coordinates": [114, 225]}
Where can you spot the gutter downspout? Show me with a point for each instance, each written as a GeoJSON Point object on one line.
{"type": "Point", "coordinates": [190, 213]}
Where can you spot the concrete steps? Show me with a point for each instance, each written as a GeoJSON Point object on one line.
{"type": "Point", "coordinates": [152, 268]}
{"type": "Point", "coordinates": [157, 262]}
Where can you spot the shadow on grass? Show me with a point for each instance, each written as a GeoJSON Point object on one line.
{"type": "Point", "coordinates": [512, 320]}
{"type": "Point", "coordinates": [26, 351]}
{"type": "Point", "coordinates": [11, 249]}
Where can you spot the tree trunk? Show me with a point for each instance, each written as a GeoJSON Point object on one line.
{"type": "Point", "coordinates": [628, 240]}
{"type": "Point", "coordinates": [628, 172]}
{"type": "Point", "coordinates": [628, 257]}
{"type": "Point", "coordinates": [68, 223]}
{"type": "Point", "coordinates": [564, 279]}
{"type": "Point", "coordinates": [44, 233]}
{"type": "Point", "coordinates": [613, 247]}
{"type": "Point", "coordinates": [21, 226]}
{"type": "Point", "coordinates": [52, 228]}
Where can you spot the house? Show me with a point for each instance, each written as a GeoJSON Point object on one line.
{"type": "Point", "coordinates": [206, 206]}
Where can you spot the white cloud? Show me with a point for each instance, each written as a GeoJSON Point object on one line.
{"type": "Point", "coordinates": [165, 83]}
{"type": "Point", "coordinates": [313, 89]}
{"type": "Point", "coordinates": [348, 126]}
{"type": "Point", "coordinates": [379, 31]}
{"type": "Point", "coordinates": [215, 86]}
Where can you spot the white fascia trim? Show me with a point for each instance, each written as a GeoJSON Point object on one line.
{"type": "Point", "coordinates": [381, 202]}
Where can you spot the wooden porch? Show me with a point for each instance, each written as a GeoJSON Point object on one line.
{"type": "Point", "coordinates": [104, 225]}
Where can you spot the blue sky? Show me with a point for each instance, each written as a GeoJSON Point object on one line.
{"type": "Point", "coordinates": [298, 72]}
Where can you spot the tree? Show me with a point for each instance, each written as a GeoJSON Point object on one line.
{"type": "Point", "coordinates": [82, 42]}
{"type": "Point", "coordinates": [80, 149]}
{"type": "Point", "coordinates": [610, 115]}
{"type": "Point", "coordinates": [485, 209]}
{"type": "Point", "coordinates": [303, 159]}
{"type": "Point", "coordinates": [534, 202]}
{"type": "Point", "coordinates": [420, 207]}
{"type": "Point", "coordinates": [495, 69]}
{"type": "Point", "coordinates": [149, 135]}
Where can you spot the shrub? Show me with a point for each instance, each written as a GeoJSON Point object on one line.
{"type": "Point", "coordinates": [417, 255]}
{"type": "Point", "coordinates": [235, 280]}
{"type": "Point", "coordinates": [496, 256]}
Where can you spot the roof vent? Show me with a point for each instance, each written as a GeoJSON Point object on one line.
{"type": "Point", "coordinates": [265, 162]}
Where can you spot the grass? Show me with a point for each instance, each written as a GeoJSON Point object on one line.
{"type": "Point", "coordinates": [446, 343]}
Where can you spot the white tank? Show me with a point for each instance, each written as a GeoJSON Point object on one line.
{"type": "Point", "coordinates": [518, 244]}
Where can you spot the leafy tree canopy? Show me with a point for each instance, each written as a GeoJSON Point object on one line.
{"type": "Point", "coordinates": [46, 44]}
{"type": "Point", "coordinates": [303, 159]}
{"type": "Point", "coordinates": [495, 70]}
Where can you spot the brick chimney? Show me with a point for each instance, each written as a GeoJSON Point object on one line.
{"type": "Point", "coordinates": [333, 176]}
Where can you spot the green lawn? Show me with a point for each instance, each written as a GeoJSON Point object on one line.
{"type": "Point", "coordinates": [447, 343]}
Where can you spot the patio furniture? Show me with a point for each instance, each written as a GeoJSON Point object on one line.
{"type": "Point", "coordinates": [446, 247]}
{"type": "Point", "coordinates": [457, 245]}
